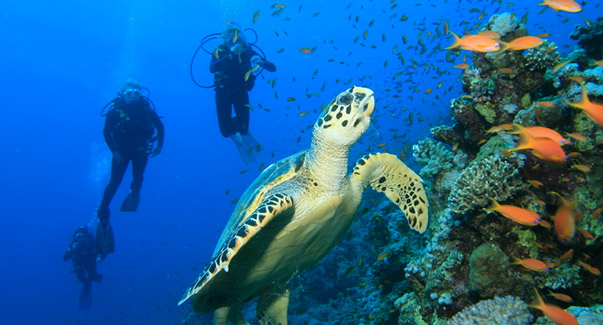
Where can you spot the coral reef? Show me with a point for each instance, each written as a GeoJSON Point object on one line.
{"type": "Point", "coordinates": [493, 177]}
{"type": "Point", "coordinates": [507, 310]}
{"type": "Point", "coordinates": [590, 38]}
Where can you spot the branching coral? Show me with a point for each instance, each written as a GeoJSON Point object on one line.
{"type": "Point", "coordinates": [493, 177]}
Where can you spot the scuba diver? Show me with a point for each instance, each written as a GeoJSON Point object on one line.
{"type": "Point", "coordinates": [82, 253]}
{"type": "Point", "coordinates": [131, 127]}
{"type": "Point", "coordinates": [235, 64]}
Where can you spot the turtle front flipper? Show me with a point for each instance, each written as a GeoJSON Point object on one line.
{"type": "Point", "coordinates": [271, 207]}
{"type": "Point", "coordinates": [386, 173]}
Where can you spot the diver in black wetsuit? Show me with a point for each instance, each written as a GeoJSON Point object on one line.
{"type": "Point", "coordinates": [82, 252]}
{"type": "Point", "coordinates": [233, 64]}
{"type": "Point", "coordinates": [130, 125]}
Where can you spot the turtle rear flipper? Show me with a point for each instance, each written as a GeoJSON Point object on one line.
{"type": "Point", "coordinates": [386, 173]}
{"type": "Point", "coordinates": [270, 208]}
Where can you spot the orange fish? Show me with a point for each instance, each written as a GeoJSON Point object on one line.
{"type": "Point", "coordinates": [531, 264]}
{"type": "Point", "coordinates": [535, 183]}
{"type": "Point", "coordinates": [476, 43]}
{"type": "Point", "coordinates": [565, 219]}
{"type": "Point", "coordinates": [554, 313]}
{"type": "Point", "coordinates": [461, 66]}
{"type": "Point", "coordinates": [501, 127]}
{"type": "Point", "coordinates": [562, 5]}
{"type": "Point", "coordinates": [585, 233]}
{"type": "Point", "coordinates": [544, 223]}
{"type": "Point", "coordinates": [519, 215]}
{"type": "Point", "coordinates": [542, 148]}
{"type": "Point", "coordinates": [541, 132]}
{"type": "Point", "coordinates": [567, 254]}
{"type": "Point", "coordinates": [560, 296]}
{"type": "Point", "coordinates": [593, 110]}
{"type": "Point", "coordinates": [523, 43]}
{"type": "Point", "coordinates": [306, 50]}
{"type": "Point", "coordinates": [490, 33]}
{"type": "Point", "coordinates": [582, 168]}
{"type": "Point", "coordinates": [545, 104]}
{"type": "Point", "coordinates": [590, 268]}
{"type": "Point", "coordinates": [576, 136]}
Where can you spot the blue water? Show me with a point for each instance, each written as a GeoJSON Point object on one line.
{"type": "Point", "coordinates": [61, 61]}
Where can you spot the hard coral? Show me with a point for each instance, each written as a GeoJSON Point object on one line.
{"type": "Point", "coordinates": [493, 177]}
{"type": "Point", "coordinates": [543, 57]}
{"type": "Point", "coordinates": [507, 310]}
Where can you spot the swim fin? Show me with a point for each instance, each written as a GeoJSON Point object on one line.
{"type": "Point", "coordinates": [104, 239]}
{"type": "Point", "coordinates": [252, 142]}
{"type": "Point", "coordinates": [85, 297]}
{"type": "Point", "coordinates": [245, 150]}
{"type": "Point", "coordinates": [131, 202]}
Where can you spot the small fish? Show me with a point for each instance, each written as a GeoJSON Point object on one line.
{"type": "Point", "coordinates": [428, 91]}
{"type": "Point", "coordinates": [278, 5]}
{"type": "Point", "coordinates": [565, 219]}
{"type": "Point", "coordinates": [535, 183]}
{"type": "Point", "coordinates": [531, 264]}
{"type": "Point", "coordinates": [544, 223]}
{"type": "Point", "coordinates": [545, 104]}
{"type": "Point", "coordinates": [382, 256]}
{"type": "Point", "coordinates": [554, 313]}
{"type": "Point", "coordinates": [243, 171]}
{"type": "Point", "coordinates": [506, 70]}
{"type": "Point", "coordinates": [255, 16]}
{"type": "Point", "coordinates": [543, 35]}
{"type": "Point", "coordinates": [523, 43]}
{"type": "Point", "coordinates": [596, 212]}
{"type": "Point", "coordinates": [290, 99]}
{"type": "Point", "coordinates": [567, 255]}
{"type": "Point", "coordinates": [302, 113]}
{"type": "Point", "coordinates": [517, 214]}
{"type": "Point", "coordinates": [306, 50]}
{"type": "Point", "coordinates": [585, 233]}
{"type": "Point", "coordinates": [576, 136]}
{"type": "Point", "coordinates": [593, 110]}
{"type": "Point", "coordinates": [590, 268]}
{"type": "Point", "coordinates": [502, 127]}
{"type": "Point", "coordinates": [235, 36]}
{"type": "Point", "coordinates": [475, 43]}
{"type": "Point", "coordinates": [560, 65]}
{"type": "Point", "coordinates": [251, 71]}
{"type": "Point", "coordinates": [562, 5]}
{"type": "Point", "coordinates": [560, 296]}
{"type": "Point", "coordinates": [461, 66]}
{"type": "Point", "coordinates": [581, 167]}
{"type": "Point", "coordinates": [216, 53]}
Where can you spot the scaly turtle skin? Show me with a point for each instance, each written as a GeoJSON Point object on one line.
{"type": "Point", "coordinates": [297, 210]}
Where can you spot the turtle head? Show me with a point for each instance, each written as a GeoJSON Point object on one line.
{"type": "Point", "coordinates": [347, 117]}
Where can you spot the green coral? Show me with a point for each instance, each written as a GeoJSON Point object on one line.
{"type": "Point", "coordinates": [526, 238]}
{"type": "Point", "coordinates": [489, 270]}
{"type": "Point", "coordinates": [564, 276]}
{"type": "Point", "coordinates": [487, 111]}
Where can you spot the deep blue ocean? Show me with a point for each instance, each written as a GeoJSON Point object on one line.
{"type": "Point", "coordinates": [62, 61]}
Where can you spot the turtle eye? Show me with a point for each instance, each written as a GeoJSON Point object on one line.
{"type": "Point", "coordinates": [345, 99]}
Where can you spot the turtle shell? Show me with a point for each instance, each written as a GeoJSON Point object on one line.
{"type": "Point", "coordinates": [273, 175]}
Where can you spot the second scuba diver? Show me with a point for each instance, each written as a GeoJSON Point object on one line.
{"type": "Point", "coordinates": [82, 252]}
{"type": "Point", "coordinates": [233, 64]}
{"type": "Point", "coordinates": [130, 125]}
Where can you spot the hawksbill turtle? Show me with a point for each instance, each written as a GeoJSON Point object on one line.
{"type": "Point", "coordinates": [297, 210]}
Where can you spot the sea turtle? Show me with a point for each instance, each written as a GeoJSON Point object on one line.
{"type": "Point", "coordinates": [297, 210]}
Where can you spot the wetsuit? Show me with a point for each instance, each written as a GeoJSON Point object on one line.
{"type": "Point", "coordinates": [129, 128]}
{"type": "Point", "coordinates": [82, 252]}
{"type": "Point", "coordinates": [229, 71]}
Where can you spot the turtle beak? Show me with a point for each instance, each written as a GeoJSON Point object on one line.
{"type": "Point", "coordinates": [368, 101]}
